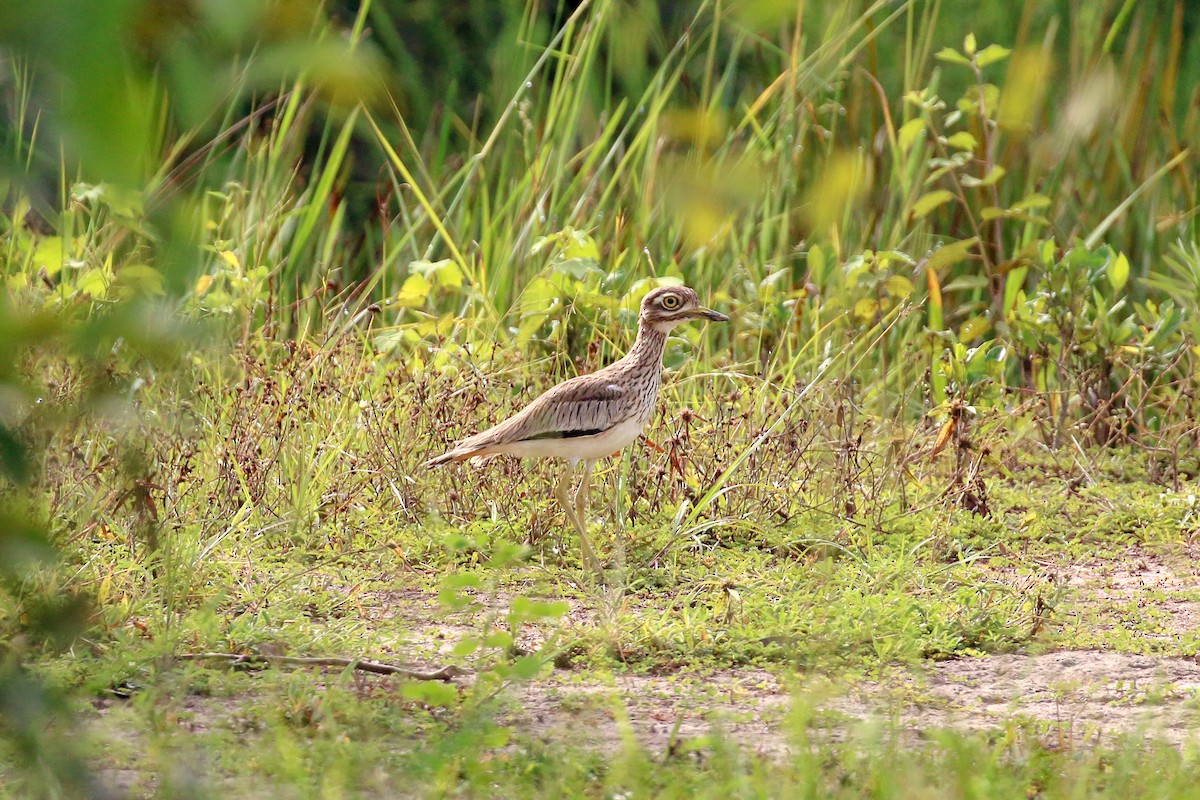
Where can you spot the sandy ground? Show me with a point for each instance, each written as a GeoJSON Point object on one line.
{"type": "Point", "coordinates": [1070, 697]}
{"type": "Point", "coordinates": [1067, 697]}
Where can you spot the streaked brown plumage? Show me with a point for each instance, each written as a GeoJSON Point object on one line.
{"type": "Point", "coordinates": [591, 416]}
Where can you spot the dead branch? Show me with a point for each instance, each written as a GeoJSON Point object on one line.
{"type": "Point", "coordinates": [446, 673]}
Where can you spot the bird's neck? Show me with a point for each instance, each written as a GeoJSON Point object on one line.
{"type": "Point", "coordinates": [649, 345]}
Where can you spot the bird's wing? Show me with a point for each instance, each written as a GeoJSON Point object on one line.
{"type": "Point", "coordinates": [581, 406]}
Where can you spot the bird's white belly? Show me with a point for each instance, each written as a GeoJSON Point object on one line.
{"type": "Point", "coordinates": [582, 448]}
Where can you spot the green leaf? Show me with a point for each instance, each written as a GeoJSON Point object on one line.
{"type": "Point", "coordinates": [528, 329]}
{"type": "Point", "coordinates": [992, 177]}
{"type": "Point", "coordinates": [866, 308]}
{"type": "Point", "coordinates": [526, 667]}
{"type": "Point", "coordinates": [538, 295]}
{"type": "Point", "coordinates": [962, 141]}
{"type": "Point", "coordinates": [951, 253]}
{"type": "Point", "coordinates": [495, 736]}
{"type": "Point", "coordinates": [928, 202]}
{"type": "Point", "coordinates": [463, 580]}
{"type": "Point", "coordinates": [909, 132]}
{"type": "Point", "coordinates": [142, 278]}
{"type": "Point", "coordinates": [49, 255]}
{"type": "Point", "coordinates": [445, 273]}
{"type": "Point", "coordinates": [414, 292]}
{"type": "Point", "coordinates": [1031, 201]}
{"type": "Point", "coordinates": [969, 44]}
{"type": "Point", "coordinates": [93, 283]}
{"type": "Point", "coordinates": [1046, 252]}
{"type": "Point", "coordinates": [973, 328]}
{"type": "Point", "coordinates": [431, 693]}
{"type": "Point", "coordinates": [542, 242]}
{"type": "Point", "coordinates": [991, 54]}
{"type": "Point", "coordinates": [525, 608]}
{"type": "Point", "coordinates": [1118, 271]}
{"type": "Point", "coordinates": [499, 639]}
{"type": "Point", "coordinates": [575, 252]}
{"type": "Point", "coordinates": [951, 55]}
{"type": "Point", "coordinates": [578, 245]}
{"type": "Point", "coordinates": [388, 340]}
{"type": "Point", "coordinates": [884, 257]}
{"type": "Point", "coordinates": [466, 647]}
{"type": "Point", "coordinates": [817, 263]}
{"type": "Point", "coordinates": [898, 286]}
{"type": "Point", "coordinates": [1013, 283]}
{"type": "Point", "coordinates": [966, 283]}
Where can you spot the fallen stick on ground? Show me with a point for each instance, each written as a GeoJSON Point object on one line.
{"type": "Point", "coordinates": [446, 673]}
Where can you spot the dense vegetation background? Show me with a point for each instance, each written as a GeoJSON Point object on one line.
{"type": "Point", "coordinates": [260, 259]}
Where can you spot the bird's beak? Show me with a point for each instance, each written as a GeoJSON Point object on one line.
{"type": "Point", "coordinates": [708, 313]}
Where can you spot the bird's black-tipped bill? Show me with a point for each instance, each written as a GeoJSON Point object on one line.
{"type": "Point", "coordinates": [708, 313]}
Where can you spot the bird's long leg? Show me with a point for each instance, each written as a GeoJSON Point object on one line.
{"type": "Point", "coordinates": [562, 492]}
{"type": "Point", "coordinates": [589, 555]}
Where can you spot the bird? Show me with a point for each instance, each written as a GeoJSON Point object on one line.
{"type": "Point", "coordinates": [589, 417]}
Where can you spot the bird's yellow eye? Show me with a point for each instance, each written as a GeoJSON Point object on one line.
{"type": "Point", "coordinates": [670, 302]}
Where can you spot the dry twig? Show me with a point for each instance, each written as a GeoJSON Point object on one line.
{"type": "Point", "coordinates": [446, 673]}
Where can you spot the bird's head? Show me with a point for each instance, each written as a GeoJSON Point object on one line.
{"type": "Point", "coordinates": [667, 306]}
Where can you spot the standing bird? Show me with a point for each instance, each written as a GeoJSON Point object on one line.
{"type": "Point", "coordinates": [591, 416]}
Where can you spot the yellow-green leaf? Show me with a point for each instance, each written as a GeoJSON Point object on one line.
{"type": "Point", "coordinates": [450, 275]}
{"type": "Point", "coordinates": [49, 255]}
{"type": "Point", "coordinates": [445, 273]}
{"type": "Point", "coordinates": [928, 202]}
{"type": "Point", "coordinates": [991, 54]}
{"type": "Point", "coordinates": [909, 132]}
{"type": "Point", "coordinates": [987, 180]}
{"type": "Point", "coordinates": [973, 328]}
{"type": "Point", "coordinates": [579, 245]}
{"type": "Point", "coordinates": [1118, 271]}
{"type": "Point", "coordinates": [952, 55]}
{"type": "Point", "coordinates": [527, 667]}
{"type": "Point", "coordinates": [1031, 201]}
{"type": "Point", "coordinates": [501, 639]}
{"type": "Point", "coordinates": [816, 262]}
{"type": "Point", "coordinates": [898, 286]}
{"type": "Point", "coordinates": [866, 309]}
{"type": "Point", "coordinates": [962, 141]}
{"type": "Point", "coordinates": [142, 277]}
{"type": "Point", "coordinates": [466, 647]}
{"type": "Point", "coordinates": [529, 326]}
{"type": "Point", "coordinates": [431, 693]}
{"type": "Point", "coordinates": [414, 291]}
{"type": "Point", "coordinates": [951, 253]}
{"type": "Point", "coordinates": [969, 44]}
{"type": "Point", "coordinates": [93, 283]}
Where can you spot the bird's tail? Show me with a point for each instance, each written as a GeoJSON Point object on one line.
{"type": "Point", "coordinates": [478, 449]}
{"type": "Point", "coordinates": [454, 455]}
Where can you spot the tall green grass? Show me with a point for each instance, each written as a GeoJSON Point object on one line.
{"type": "Point", "coordinates": [945, 233]}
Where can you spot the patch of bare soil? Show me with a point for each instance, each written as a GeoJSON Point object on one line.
{"type": "Point", "coordinates": [1166, 573]}
{"type": "Point", "coordinates": [1082, 695]}
{"type": "Point", "coordinates": [1073, 697]}
{"type": "Point", "coordinates": [660, 713]}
